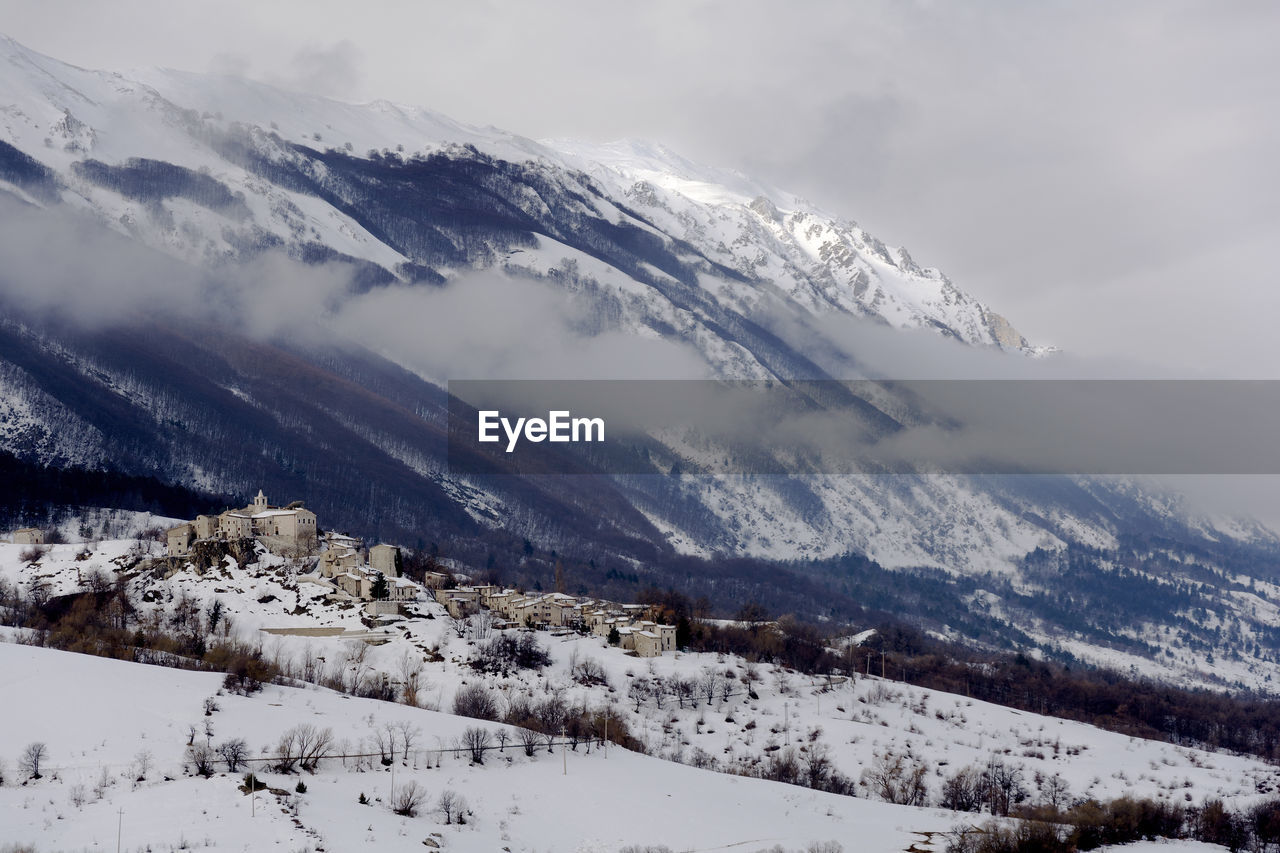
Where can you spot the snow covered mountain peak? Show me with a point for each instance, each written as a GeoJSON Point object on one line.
{"type": "Point", "coordinates": [311, 172]}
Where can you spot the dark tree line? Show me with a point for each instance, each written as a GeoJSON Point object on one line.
{"type": "Point", "coordinates": [1091, 824]}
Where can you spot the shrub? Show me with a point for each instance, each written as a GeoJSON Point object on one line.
{"type": "Point", "coordinates": [408, 799]}
{"type": "Point", "coordinates": [507, 652]}
{"type": "Point", "coordinates": [475, 700]}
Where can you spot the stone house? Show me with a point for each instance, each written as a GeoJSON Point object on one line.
{"type": "Point", "coordinates": [435, 580]}
{"type": "Point", "coordinates": [28, 536]}
{"type": "Point", "coordinates": [385, 559]}
{"type": "Point", "coordinates": [650, 639]}
{"type": "Point", "coordinates": [336, 561]}
{"type": "Point", "coordinates": [460, 602]}
{"type": "Point", "coordinates": [358, 583]}
{"type": "Point", "coordinates": [553, 610]}
{"type": "Point", "coordinates": [179, 539]}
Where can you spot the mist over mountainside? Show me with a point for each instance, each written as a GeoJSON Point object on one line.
{"type": "Point", "coordinates": [222, 286]}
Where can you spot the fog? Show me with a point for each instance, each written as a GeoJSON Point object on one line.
{"type": "Point", "coordinates": [65, 267]}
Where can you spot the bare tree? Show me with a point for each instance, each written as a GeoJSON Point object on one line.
{"type": "Point", "coordinates": [409, 734]}
{"type": "Point", "coordinates": [408, 799]}
{"type": "Point", "coordinates": [589, 671]}
{"type": "Point", "coordinates": [685, 690]}
{"type": "Point", "coordinates": [963, 791]}
{"type": "Point", "coordinates": [234, 752]}
{"type": "Point", "coordinates": [529, 740]}
{"type": "Point", "coordinates": [310, 670]}
{"type": "Point", "coordinates": [32, 757]}
{"type": "Point", "coordinates": [389, 733]}
{"type": "Point", "coordinates": [143, 761]}
{"type": "Point", "coordinates": [897, 778]}
{"type": "Point", "coordinates": [817, 766]}
{"type": "Point", "coordinates": [452, 806]}
{"type": "Point", "coordinates": [104, 782]}
{"type": "Point", "coordinates": [639, 691]}
{"type": "Point", "coordinates": [1002, 785]}
{"type": "Point", "coordinates": [476, 740]}
{"type": "Point", "coordinates": [551, 715]}
{"type": "Point", "coordinates": [357, 660]}
{"type": "Point", "coordinates": [1055, 791]}
{"type": "Point", "coordinates": [503, 736]}
{"type": "Point", "coordinates": [726, 685]}
{"type": "Point", "coordinates": [286, 757]}
{"type": "Point", "coordinates": [410, 678]}
{"type": "Point", "coordinates": [659, 690]}
{"type": "Point", "coordinates": [202, 757]}
{"type": "Point", "coordinates": [385, 740]}
{"type": "Point", "coordinates": [97, 581]}
{"type": "Point", "coordinates": [709, 683]}
{"type": "Point", "coordinates": [314, 745]}
{"type": "Point", "coordinates": [478, 626]}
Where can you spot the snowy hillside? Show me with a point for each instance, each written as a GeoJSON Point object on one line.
{"type": "Point", "coordinates": [858, 718]}
{"type": "Point", "coordinates": [91, 788]}
{"type": "Point", "coordinates": [127, 761]}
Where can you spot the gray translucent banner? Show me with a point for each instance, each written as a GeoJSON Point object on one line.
{"type": "Point", "coordinates": [1084, 427]}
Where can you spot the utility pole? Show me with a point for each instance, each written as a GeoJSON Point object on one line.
{"type": "Point", "coordinates": [786, 721]}
{"type": "Point", "coordinates": [869, 664]}
{"type": "Point", "coordinates": [564, 756]}
{"type": "Point", "coordinates": [606, 732]}
{"type": "Point", "coordinates": [119, 827]}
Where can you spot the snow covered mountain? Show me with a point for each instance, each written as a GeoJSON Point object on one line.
{"type": "Point", "coordinates": [212, 169]}
{"type": "Point", "coordinates": [223, 286]}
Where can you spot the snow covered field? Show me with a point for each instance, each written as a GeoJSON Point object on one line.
{"type": "Point", "coordinates": [97, 716]}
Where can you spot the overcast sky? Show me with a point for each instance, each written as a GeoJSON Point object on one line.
{"type": "Point", "coordinates": [1103, 174]}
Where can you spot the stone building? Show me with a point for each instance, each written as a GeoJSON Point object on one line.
{"type": "Point", "coordinates": [642, 637]}
{"type": "Point", "coordinates": [28, 536]}
{"type": "Point", "coordinates": [290, 530]}
{"type": "Point", "coordinates": [385, 559]}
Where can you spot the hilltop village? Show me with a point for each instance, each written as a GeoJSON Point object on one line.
{"type": "Point", "coordinates": [352, 572]}
{"type": "Point", "coordinates": [624, 625]}
{"type": "Point", "coordinates": [373, 577]}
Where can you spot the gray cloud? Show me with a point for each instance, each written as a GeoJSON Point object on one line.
{"type": "Point", "coordinates": [335, 70]}
{"type": "Point", "coordinates": [67, 267]}
{"type": "Point", "coordinates": [487, 326]}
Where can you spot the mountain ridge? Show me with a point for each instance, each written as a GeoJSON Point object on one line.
{"type": "Point", "coordinates": [54, 122]}
{"type": "Point", "coordinates": [278, 269]}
